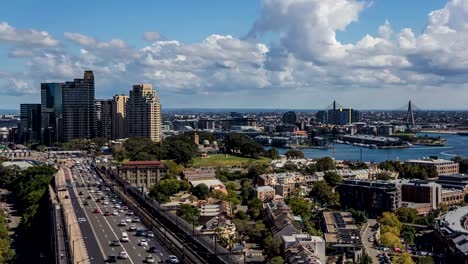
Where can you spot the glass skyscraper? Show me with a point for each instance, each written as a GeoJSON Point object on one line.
{"type": "Point", "coordinates": [51, 113]}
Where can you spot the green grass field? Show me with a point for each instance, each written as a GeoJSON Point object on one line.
{"type": "Point", "coordinates": [221, 160]}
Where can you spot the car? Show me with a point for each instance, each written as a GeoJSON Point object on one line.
{"type": "Point", "coordinates": [112, 259]}
{"type": "Point", "coordinates": [129, 213]}
{"type": "Point", "coordinates": [150, 234]}
{"type": "Point", "coordinates": [85, 203]}
{"type": "Point", "coordinates": [172, 259]}
{"type": "Point", "coordinates": [125, 207]}
{"type": "Point", "coordinates": [128, 219]}
{"type": "Point", "coordinates": [140, 232]}
{"type": "Point", "coordinates": [88, 197]}
{"type": "Point", "coordinates": [123, 255]}
{"type": "Point", "coordinates": [120, 210]}
{"type": "Point", "coordinates": [132, 228]}
{"type": "Point", "coordinates": [66, 197]}
{"type": "Point", "coordinates": [96, 211]}
{"type": "Point", "coordinates": [115, 212]}
{"type": "Point", "coordinates": [106, 202]}
{"type": "Point", "coordinates": [136, 219]}
{"type": "Point", "coordinates": [107, 213]}
{"type": "Point", "coordinates": [123, 223]}
{"type": "Point", "coordinates": [115, 243]}
{"type": "Point", "coordinates": [117, 206]}
{"type": "Point", "coordinates": [80, 193]}
{"type": "Point", "coordinates": [149, 259]}
{"type": "Point", "coordinates": [143, 243]}
{"type": "Point", "coordinates": [153, 249]}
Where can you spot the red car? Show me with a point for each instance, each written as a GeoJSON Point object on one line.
{"type": "Point", "coordinates": [96, 211]}
{"type": "Point", "coordinates": [107, 214]}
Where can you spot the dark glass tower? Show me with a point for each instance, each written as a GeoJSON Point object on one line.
{"type": "Point", "coordinates": [51, 113]}
{"type": "Point", "coordinates": [79, 118]}
{"type": "Point", "coordinates": [30, 123]}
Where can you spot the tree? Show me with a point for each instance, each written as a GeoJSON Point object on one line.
{"type": "Point", "coordinates": [324, 194]}
{"type": "Point", "coordinates": [276, 260]}
{"type": "Point", "coordinates": [201, 191]}
{"type": "Point", "coordinates": [272, 153]}
{"type": "Point", "coordinates": [294, 154]}
{"type": "Point", "coordinates": [174, 169]}
{"type": "Point", "coordinates": [247, 190]}
{"type": "Point", "coordinates": [389, 240]}
{"type": "Point", "coordinates": [290, 166]}
{"type": "Point", "coordinates": [407, 215]}
{"type": "Point", "coordinates": [188, 213]}
{"type": "Point", "coordinates": [255, 208]}
{"type": "Point", "coordinates": [403, 258]}
{"type": "Point", "coordinates": [258, 232]}
{"type": "Point", "coordinates": [408, 232]}
{"type": "Point", "coordinates": [98, 143]}
{"type": "Point", "coordinates": [241, 215]}
{"type": "Point", "coordinates": [168, 187]}
{"type": "Point", "coordinates": [332, 178]}
{"type": "Point", "coordinates": [272, 246]}
{"type": "Point", "coordinates": [300, 206]}
{"type": "Point", "coordinates": [242, 227]}
{"type": "Point", "coordinates": [383, 176]}
{"type": "Point", "coordinates": [236, 143]}
{"type": "Point", "coordinates": [389, 219]}
{"type": "Point", "coordinates": [325, 164]}
{"type": "Point", "coordinates": [180, 150]}
{"type": "Point", "coordinates": [425, 260]}
{"type": "Point", "coordinates": [391, 229]}
{"type": "Point", "coordinates": [359, 216]}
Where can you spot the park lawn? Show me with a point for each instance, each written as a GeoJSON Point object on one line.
{"type": "Point", "coordinates": [221, 160]}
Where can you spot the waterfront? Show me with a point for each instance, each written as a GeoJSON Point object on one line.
{"type": "Point", "coordinates": [456, 146]}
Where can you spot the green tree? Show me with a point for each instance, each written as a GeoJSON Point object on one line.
{"type": "Point", "coordinates": [247, 190]}
{"type": "Point", "coordinates": [294, 154]}
{"type": "Point", "coordinates": [289, 166]}
{"type": "Point", "coordinates": [300, 206]}
{"type": "Point", "coordinates": [408, 233]}
{"type": "Point", "coordinates": [332, 178]}
{"type": "Point", "coordinates": [426, 260]}
{"type": "Point", "coordinates": [272, 153]}
{"type": "Point", "coordinates": [407, 215]}
{"type": "Point", "coordinates": [243, 228]}
{"type": "Point", "coordinates": [188, 213]}
{"type": "Point", "coordinates": [255, 208]}
{"type": "Point", "coordinates": [358, 215]}
{"type": "Point", "coordinates": [201, 191]}
{"type": "Point", "coordinates": [168, 187]}
{"type": "Point", "coordinates": [325, 164]}
{"type": "Point", "coordinates": [272, 247]}
{"type": "Point", "coordinates": [174, 168]}
{"type": "Point", "coordinates": [389, 240]}
{"type": "Point", "coordinates": [179, 149]}
{"type": "Point", "coordinates": [276, 260]}
{"type": "Point", "coordinates": [383, 176]}
{"type": "Point", "coordinates": [390, 219]}
{"type": "Point", "coordinates": [258, 232]}
{"type": "Point", "coordinates": [323, 194]}
{"type": "Point", "coordinates": [241, 215]}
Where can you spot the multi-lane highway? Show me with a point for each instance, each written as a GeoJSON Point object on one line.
{"type": "Point", "coordinates": [104, 220]}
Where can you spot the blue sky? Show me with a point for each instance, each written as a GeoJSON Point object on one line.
{"type": "Point", "coordinates": [285, 57]}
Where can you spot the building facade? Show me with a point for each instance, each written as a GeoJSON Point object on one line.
{"type": "Point", "coordinates": [119, 113]}
{"type": "Point", "coordinates": [51, 113]}
{"type": "Point", "coordinates": [104, 118]}
{"type": "Point", "coordinates": [143, 117]}
{"type": "Point", "coordinates": [290, 118]}
{"type": "Point", "coordinates": [142, 173]}
{"type": "Point", "coordinates": [443, 167]}
{"type": "Point", "coordinates": [373, 197]}
{"type": "Point", "coordinates": [79, 118]}
{"type": "Point", "coordinates": [30, 123]}
{"type": "Point", "coordinates": [422, 192]}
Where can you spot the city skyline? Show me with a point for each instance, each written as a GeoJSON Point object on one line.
{"type": "Point", "coordinates": [364, 54]}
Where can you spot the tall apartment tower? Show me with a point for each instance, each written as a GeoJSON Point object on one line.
{"type": "Point", "coordinates": [51, 113]}
{"type": "Point", "coordinates": [79, 118]}
{"type": "Point", "coordinates": [30, 123]}
{"type": "Point", "coordinates": [119, 113]}
{"type": "Point", "coordinates": [103, 110]}
{"type": "Point", "coordinates": [144, 113]}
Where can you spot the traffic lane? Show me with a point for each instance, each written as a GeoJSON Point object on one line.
{"type": "Point", "coordinates": [89, 239]}
{"type": "Point", "coordinates": [369, 233]}
{"type": "Point", "coordinates": [107, 233]}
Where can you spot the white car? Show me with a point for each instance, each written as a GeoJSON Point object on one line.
{"type": "Point", "coordinates": [123, 223]}
{"type": "Point", "coordinates": [117, 206]}
{"type": "Point", "coordinates": [106, 202]}
{"type": "Point", "coordinates": [172, 259]}
{"type": "Point", "coordinates": [115, 212]}
{"type": "Point", "coordinates": [150, 234]}
{"type": "Point", "coordinates": [149, 259]}
{"type": "Point", "coordinates": [128, 219]}
{"type": "Point", "coordinates": [123, 255]}
{"type": "Point", "coordinates": [132, 228]}
{"type": "Point", "coordinates": [143, 243]}
{"type": "Point", "coordinates": [136, 219]}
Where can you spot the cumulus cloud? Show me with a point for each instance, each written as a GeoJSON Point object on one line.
{"type": "Point", "coordinates": [26, 37]}
{"type": "Point", "coordinates": [305, 56]}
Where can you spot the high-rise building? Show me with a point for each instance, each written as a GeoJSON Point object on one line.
{"type": "Point", "coordinates": [144, 113]}
{"type": "Point", "coordinates": [342, 116]}
{"type": "Point", "coordinates": [30, 123]}
{"type": "Point", "coordinates": [118, 116]}
{"type": "Point", "coordinates": [51, 113]}
{"type": "Point", "coordinates": [79, 118]}
{"type": "Point", "coordinates": [322, 117]}
{"type": "Point", "coordinates": [104, 118]}
{"type": "Point", "coordinates": [290, 118]}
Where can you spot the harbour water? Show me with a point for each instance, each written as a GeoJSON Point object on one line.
{"type": "Point", "coordinates": [456, 146]}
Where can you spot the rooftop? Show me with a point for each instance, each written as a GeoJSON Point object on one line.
{"type": "Point", "coordinates": [453, 220]}
{"type": "Point", "coordinates": [142, 163]}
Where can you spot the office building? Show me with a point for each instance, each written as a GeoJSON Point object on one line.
{"type": "Point", "coordinates": [103, 118]}
{"type": "Point", "coordinates": [51, 113]}
{"type": "Point", "coordinates": [290, 118]}
{"type": "Point", "coordinates": [443, 167]}
{"type": "Point", "coordinates": [451, 236]}
{"type": "Point", "coordinates": [143, 117]}
{"type": "Point", "coordinates": [79, 118]}
{"type": "Point", "coordinates": [421, 192]}
{"type": "Point", "coordinates": [30, 123]}
{"type": "Point", "coordinates": [206, 124]}
{"type": "Point", "coordinates": [373, 197]}
{"type": "Point", "coordinates": [341, 116]}
{"type": "Point", "coordinates": [119, 112]}
{"type": "Point", "coordinates": [142, 173]}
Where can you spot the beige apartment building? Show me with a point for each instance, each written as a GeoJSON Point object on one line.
{"type": "Point", "coordinates": [142, 173]}
{"type": "Point", "coordinates": [143, 117]}
{"type": "Point", "coordinates": [443, 167]}
{"type": "Point", "coordinates": [119, 112]}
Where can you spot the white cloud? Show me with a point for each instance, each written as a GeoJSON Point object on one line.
{"type": "Point", "coordinates": [152, 36]}
{"type": "Point", "coordinates": [26, 37]}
